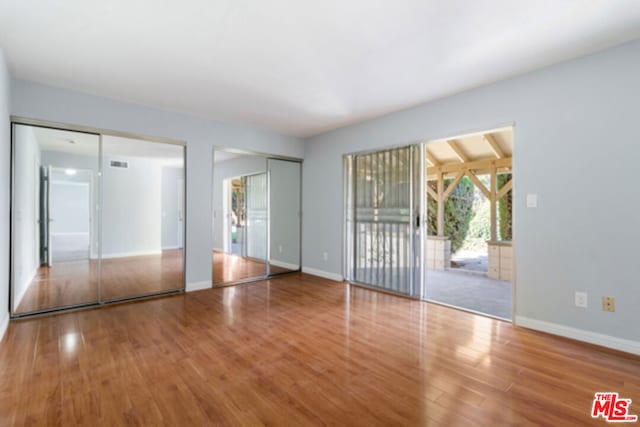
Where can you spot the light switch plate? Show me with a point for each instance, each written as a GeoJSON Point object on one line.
{"type": "Point", "coordinates": [581, 299]}
{"type": "Point", "coordinates": [532, 200]}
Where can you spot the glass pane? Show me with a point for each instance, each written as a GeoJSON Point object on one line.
{"type": "Point", "coordinates": [55, 210]}
{"type": "Point", "coordinates": [239, 217]}
{"type": "Point", "coordinates": [142, 218]}
{"type": "Point", "coordinates": [284, 216]}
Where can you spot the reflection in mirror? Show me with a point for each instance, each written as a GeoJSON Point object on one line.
{"type": "Point", "coordinates": [284, 215]}
{"type": "Point", "coordinates": [142, 219]}
{"type": "Point", "coordinates": [54, 211]}
{"type": "Point", "coordinates": [239, 217]}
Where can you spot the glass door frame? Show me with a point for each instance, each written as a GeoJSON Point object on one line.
{"type": "Point", "coordinates": [17, 120]}
{"type": "Point", "coordinates": [420, 278]}
{"type": "Point", "coordinates": [417, 222]}
{"type": "Point", "coordinates": [268, 274]}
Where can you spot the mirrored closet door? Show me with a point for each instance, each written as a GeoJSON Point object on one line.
{"type": "Point", "coordinates": [142, 247]}
{"type": "Point", "coordinates": [256, 217]}
{"type": "Point", "coordinates": [54, 212]}
{"type": "Point", "coordinates": [94, 218]}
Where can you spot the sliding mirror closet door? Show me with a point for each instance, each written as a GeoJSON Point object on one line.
{"type": "Point", "coordinates": [54, 212]}
{"type": "Point", "coordinates": [284, 215]}
{"type": "Point", "coordinates": [142, 219]}
{"type": "Point", "coordinates": [240, 217]}
{"type": "Point", "coordinates": [383, 220]}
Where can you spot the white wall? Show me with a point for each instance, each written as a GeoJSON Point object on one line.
{"type": "Point", "coordinates": [38, 101]}
{"type": "Point", "coordinates": [131, 208]}
{"type": "Point", "coordinates": [5, 167]}
{"type": "Point", "coordinates": [238, 166]}
{"type": "Point", "coordinates": [132, 202]}
{"type": "Point", "coordinates": [26, 248]}
{"type": "Point", "coordinates": [576, 146]}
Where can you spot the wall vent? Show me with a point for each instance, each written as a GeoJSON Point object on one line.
{"type": "Point", "coordinates": [119, 164]}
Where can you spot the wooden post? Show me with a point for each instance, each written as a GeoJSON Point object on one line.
{"type": "Point", "coordinates": [440, 204]}
{"type": "Point", "coordinates": [492, 200]}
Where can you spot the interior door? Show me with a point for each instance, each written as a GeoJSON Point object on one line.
{"type": "Point", "coordinates": [385, 220]}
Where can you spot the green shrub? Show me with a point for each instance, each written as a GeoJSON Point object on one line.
{"type": "Point", "coordinates": [505, 205]}
{"type": "Point", "coordinates": [458, 213]}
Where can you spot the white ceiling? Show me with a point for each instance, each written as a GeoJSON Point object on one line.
{"type": "Point", "coordinates": [298, 67]}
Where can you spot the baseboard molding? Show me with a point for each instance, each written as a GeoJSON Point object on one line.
{"type": "Point", "coordinates": [283, 264]}
{"type": "Point", "coordinates": [324, 274]}
{"type": "Point", "coordinates": [18, 298]}
{"type": "Point", "coordinates": [4, 325]}
{"type": "Point", "coordinates": [131, 254]}
{"type": "Point", "coordinates": [198, 286]}
{"type": "Point", "coordinates": [219, 250]}
{"type": "Point", "coordinates": [171, 248]}
{"type": "Point", "coordinates": [603, 340]}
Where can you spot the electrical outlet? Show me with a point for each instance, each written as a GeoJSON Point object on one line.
{"type": "Point", "coordinates": [280, 249]}
{"type": "Point", "coordinates": [608, 304]}
{"type": "Point", "coordinates": [581, 299]}
{"type": "Point", "coordinates": [325, 256]}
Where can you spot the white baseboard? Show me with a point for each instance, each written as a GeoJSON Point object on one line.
{"type": "Point", "coordinates": [4, 324]}
{"type": "Point", "coordinates": [283, 264]}
{"type": "Point", "coordinates": [323, 274]}
{"type": "Point", "coordinates": [18, 298]}
{"type": "Point", "coordinates": [198, 286]}
{"type": "Point", "coordinates": [171, 248]}
{"type": "Point", "coordinates": [130, 254]}
{"type": "Point", "coordinates": [603, 340]}
{"type": "Point", "coordinates": [219, 250]}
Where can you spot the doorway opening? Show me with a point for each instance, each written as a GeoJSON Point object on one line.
{"type": "Point", "coordinates": [434, 221]}
{"type": "Point", "coordinates": [469, 255]}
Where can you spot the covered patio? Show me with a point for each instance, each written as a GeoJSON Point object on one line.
{"type": "Point", "coordinates": [477, 280]}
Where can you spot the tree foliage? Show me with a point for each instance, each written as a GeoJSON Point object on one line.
{"type": "Point", "coordinates": [505, 205]}
{"type": "Point", "coordinates": [458, 212]}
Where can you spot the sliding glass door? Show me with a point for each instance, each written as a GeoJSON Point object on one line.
{"type": "Point", "coordinates": [94, 218]}
{"type": "Point", "coordinates": [383, 222]}
{"type": "Point", "coordinates": [256, 217]}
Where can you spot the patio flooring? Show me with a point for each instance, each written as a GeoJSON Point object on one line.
{"type": "Point", "coordinates": [471, 291]}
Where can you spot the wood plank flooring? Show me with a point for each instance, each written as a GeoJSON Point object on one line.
{"type": "Point", "coordinates": [76, 282]}
{"type": "Point", "coordinates": [298, 350]}
{"type": "Point", "coordinates": [231, 268]}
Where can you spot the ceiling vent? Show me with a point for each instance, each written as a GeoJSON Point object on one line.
{"type": "Point", "coordinates": [119, 164]}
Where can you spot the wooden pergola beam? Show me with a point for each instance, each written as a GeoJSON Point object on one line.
{"type": "Point", "coordinates": [432, 159]}
{"type": "Point", "coordinates": [458, 151]}
{"type": "Point", "coordinates": [493, 209]}
{"type": "Point", "coordinates": [494, 146]}
{"type": "Point", "coordinates": [504, 190]}
{"type": "Point", "coordinates": [440, 215]}
{"type": "Point", "coordinates": [432, 193]}
{"type": "Point", "coordinates": [476, 165]}
{"type": "Point", "coordinates": [453, 185]}
{"type": "Point", "coordinates": [478, 184]}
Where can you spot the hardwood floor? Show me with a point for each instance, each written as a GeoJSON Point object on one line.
{"type": "Point", "coordinates": [231, 268]}
{"type": "Point", "coordinates": [298, 350]}
{"type": "Point", "coordinates": [76, 282]}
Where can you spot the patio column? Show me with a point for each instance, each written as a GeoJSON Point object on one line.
{"type": "Point", "coordinates": [440, 204]}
